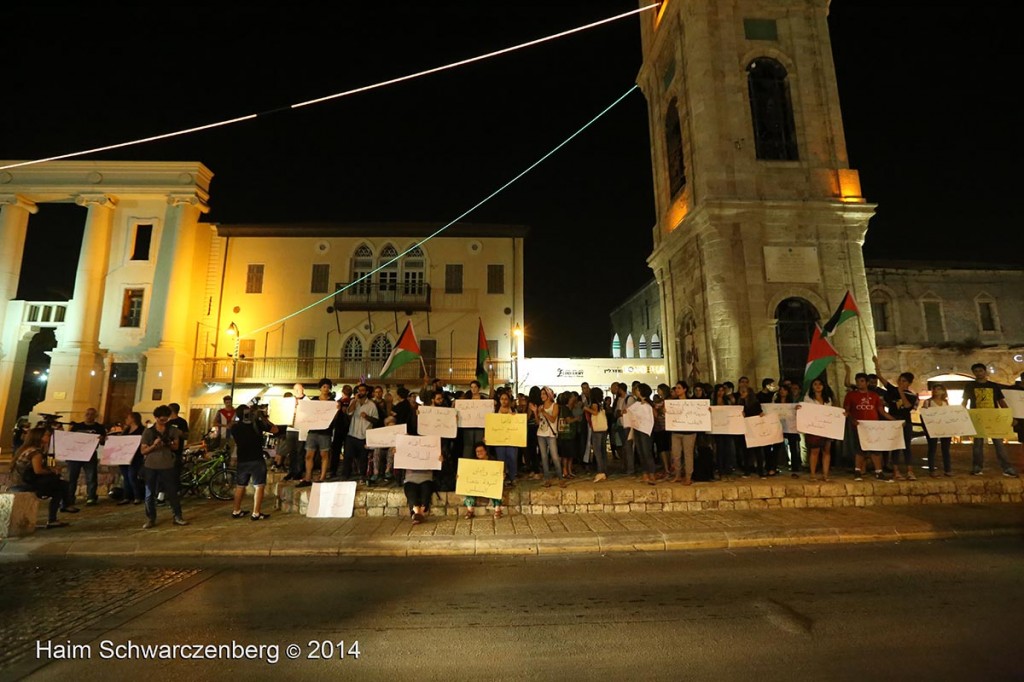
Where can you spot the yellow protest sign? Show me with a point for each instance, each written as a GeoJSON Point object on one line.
{"type": "Point", "coordinates": [505, 429]}
{"type": "Point", "coordinates": [992, 422]}
{"type": "Point", "coordinates": [480, 478]}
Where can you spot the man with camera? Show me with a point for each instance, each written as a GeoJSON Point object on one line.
{"type": "Point", "coordinates": [159, 443]}
{"type": "Point", "coordinates": [247, 433]}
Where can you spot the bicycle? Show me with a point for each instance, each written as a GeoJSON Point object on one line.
{"type": "Point", "coordinates": [203, 469]}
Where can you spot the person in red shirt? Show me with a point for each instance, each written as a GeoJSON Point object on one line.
{"type": "Point", "coordinates": [864, 405]}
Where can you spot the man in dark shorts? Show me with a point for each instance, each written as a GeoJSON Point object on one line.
{"type": "Point", "coordinates": [247, 433]}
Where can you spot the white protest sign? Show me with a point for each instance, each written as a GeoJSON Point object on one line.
{"type": "Point", "coordinates": [312, 415]}
{"type": "Point", "coordinates": [727, 420]}
{"type": "Point", "coordinates": [473, 413]}
{"type": "Point", "coordinates": [1015, 401]}
{"type": "Point", "coordinates": [119, 450]}
{"type": "Point", "coordinates": [384, 437]}
{"type": "Point", "coordinates": [281, 411]}
{"type": "Point", "coordinates": [418, 452]}
{"type": "Point", "coordinates": [764, 429]}
{"type": "Point", "coordinates": [946, 421]}
{"type": "Point", "coordinates": [437, 421]}
{"type": "Point", "coordinates": [824, 421]}
{"type": "Point", "coordinates": [72, 446]}
{"type": "Point", "coordinates": [641, 417]}
{"type": "Point", "coordinates": [786, 412]}
{"type": "Point", "coordinates": [880, 436]}
{"type": "Point", "coordinates": [688, 415]}
{"type": "Point", "coordinates": [333, 500]}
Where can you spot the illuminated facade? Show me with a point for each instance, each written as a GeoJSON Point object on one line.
{"type": "Point", "coordinates": [156, 289]}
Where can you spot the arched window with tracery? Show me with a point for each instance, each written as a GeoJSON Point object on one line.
{"type": "Point", "coordinates": [380, 348]}
{"type": "Point", "coordinates": [352, 357]}
{"type": "Point", "coordinates": [362, 264]}
{"type": "Point", "coordinates": [771, 110]}
{"type": "Point", "coordinates": [387, 276]}
{"type": "Point", "coordinates": [414, 267]}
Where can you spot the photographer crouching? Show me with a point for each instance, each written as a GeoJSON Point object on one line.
{"type": "Point", "coordinates": [247, 431]}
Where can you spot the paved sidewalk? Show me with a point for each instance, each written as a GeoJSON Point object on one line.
{"type": "Point", "coordinates": [109, 530]}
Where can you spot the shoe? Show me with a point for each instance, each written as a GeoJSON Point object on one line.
{"type": "Point", "coordinates": [57, 524]}
{"type": "Point", "coordinates": [1010, 473]}
{"type": "Point", "coordinates": [303, 484]}
{"type": "Point", "coordinates": [417, 519]}
{"type": "Point", "coordinates": [259, 517]}
{"type": "Point", "coordinates": [949, 474]}
{"type": "Point", "coordinates": [148, 524]}
{"type": "Point", "coordinates": [857, 476]}
{"type": "Point", "coordinates": [547, 483]}
{"type": "Point", "coordinates": [897, 476]}
{"type": "Point", "coordinates": [469, 514]}
{"type": "Point", "coordinates": [793, 475]}
{"type": "Point", "coordinates": [911, 477]}
{"type": "Point", "coordinates": [136, 501]}
{"type": "Point", "coordinates": [238, 514]}
{"type": "Point", "coordinates": [121, 503]}
{"type": "Point", "coordinates": [562, 483]}
{"type": "Point", "coordinates": [374, 479]}
{"type": "Point", "coordinates": [497, 513]}
{"type": "Point", "coordinates": [976, 472]}
{"type": "Point", "coordinates": [70, 510]}
{"type": "Point", "coordinates": [880, 475]}
{"type": "Point", "coordinates": [600, 477]}
{"type": "Point", "coordinates": [178, 521]}
{"type": "Point", "coordinates": [812, 479]}
{"type": "Point", "coordinates": [91, 501]}
{"type": "Point", "coordinates": [934, 474]}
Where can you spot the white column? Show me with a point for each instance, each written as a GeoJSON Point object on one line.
{"type": "Point", "coordinates": [14, 213]}
{"type": "Point", "coordinates": [82, 324]}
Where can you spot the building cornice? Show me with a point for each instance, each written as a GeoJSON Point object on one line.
{"type": "Point", "coordinates": [371, 229]}
{"type": "Point", "coordinates": [57, 181]}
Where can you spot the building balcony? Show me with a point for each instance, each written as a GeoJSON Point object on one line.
{"type": "Point", "coordinates": [379, 296]}
{"type": "Point", "coordinates": [273, 370]}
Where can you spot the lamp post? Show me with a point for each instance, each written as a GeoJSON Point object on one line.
{"type": "Point", "coordinates": [517, 333]}
{"type": "Point", "coordinates": [232, 330]}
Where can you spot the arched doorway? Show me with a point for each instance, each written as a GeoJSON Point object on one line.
{"type": "Point", "coordinates": [793, 332]}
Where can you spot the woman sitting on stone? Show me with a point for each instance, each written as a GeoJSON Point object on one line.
{"type": "Point", "coordinates": [31, 474]}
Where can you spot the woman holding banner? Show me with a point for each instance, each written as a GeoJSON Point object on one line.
{"type": "Point", "coordinates": [31, 474]}
{"type": "Point", "coordinates": [939, 399]}
{"type": "Point", "coordinates": [821, 394]}
{"type": "Point", "coordinates": [134, 488]}
{"type": "Point", "coordinates": [507, 453]}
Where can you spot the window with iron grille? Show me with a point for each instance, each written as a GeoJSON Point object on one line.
{"type": "Point", "coordinates": [380, 347]}
{"type": "Point", "coordinates": [320, 279]}
{"type": "Point", "coordinates": [496, 279]}
{"type": "Point", "coordinates": [453, 278]}
{"type": "Point", "coordinates": [131, 308]}
{"type": "Point", "coordinates": [254, 279]}
{"type": "Point", "coordinates": [362, 264]}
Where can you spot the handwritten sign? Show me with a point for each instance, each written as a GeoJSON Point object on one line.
{"type": "Point", "coordinates": [384, 437]}
{"type": "Point", "coordinates": [311, 415]}
{"type": "Point", "coordinates": [824, 421]}
{"type": "Point", "coordinates": [688, 415]}
{"type": "Point", "coordinates": [473, 413]}
{"type": "Point", "coordinates": [281, 411]}
{"type": "Point", "coordinates": [418, 452]}
{"type": "Point", "coordinates": [787, 415]}
{"type": "Point", "coordinates": [1015, 401]}
{"type": "Point", "coordinates": [119, 450]}
{"type": "Point", "coordinates": [727, 420]}
{"type": "Point", "coordinates": [480, 478]}
{"type": "Point", "coordinates": [642, 417]}
{"type": "Point", "coordinates": [72, 446]}
{"type": "Point", "coordinates": [880, 436]}
{"type": "Point", "coordinates": [438, 421]}
{"type": "Point", "coordinates": [946, 421]}
{"type": "Point", "coordinates": [333, 500]}
{"type": "Point", "coordinates": [627, 419]}
{"type": "Point", "coordinates": [764, 429]}
{"type": "Point", "coordinates": [993, 422]}
{"type": "Point", "coordinates": [505, 429]}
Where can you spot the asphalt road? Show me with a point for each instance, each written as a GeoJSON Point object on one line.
{"type": "Point", "coordinates": [938, 611]}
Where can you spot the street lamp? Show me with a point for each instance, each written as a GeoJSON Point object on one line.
{"type": "Point", "coordinates": [517, 333]}
{"type": "Point", "coordinates": [232, 330]}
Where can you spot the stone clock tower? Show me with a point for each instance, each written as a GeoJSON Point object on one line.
{"type": "Point", "coordinates": [760, 219]}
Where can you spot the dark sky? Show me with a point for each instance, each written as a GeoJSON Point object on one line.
{"type": "Point", "coordinates": [925, 96]}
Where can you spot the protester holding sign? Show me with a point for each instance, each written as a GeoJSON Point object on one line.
{"type": "Point", "coordinates": [725, 444]}
{"type": "Point", "coordinates": [30, 471]}
{"type": "Point", "coordinates": [939, 399]}
{"type": "Point", "coordinates": [982, 394]}
{"type": "Point", "coordinates": [88, 425]}
{"type": "Point", "coordinates": [820, 394]}
{"type": "Point", "coordinates": [471, 435]}
{"type": "Point", "coordinates": [901, 402]}
{"type": "Point", "coordinates": [480, 452]}
{"type": "Point", "coordinates": [864, 404]}
{"type": "Point", "coordinates": [134, 488]}
{"type": "Point", "coordinates": [507, 453]}
{"type": "Point", "coordinates": [751, 455]}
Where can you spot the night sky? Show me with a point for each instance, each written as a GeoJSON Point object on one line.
{"type": "Point", "coordinates": [925, 97]}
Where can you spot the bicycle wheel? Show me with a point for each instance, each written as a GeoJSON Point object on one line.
{"type": "Point", "coordinates": [222, 484]}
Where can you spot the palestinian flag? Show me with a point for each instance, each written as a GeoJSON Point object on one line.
{"type": "Point", "coordinates": [820, 355]}
{"type": "Point", "coordinates": [847, 309]}
{"type": "Point", "coordinates": [406, 350]}
{"type": "Point", "coordinates": [481, 356]}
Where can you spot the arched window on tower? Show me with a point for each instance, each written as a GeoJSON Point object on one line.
{"type": "Point", "coordinates": [674, 150]}
{"type": "Point", "coordinates": [793, 333]}
{"type": "Point", "coordinates": [771, 110]}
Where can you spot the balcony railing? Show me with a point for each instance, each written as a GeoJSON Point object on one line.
{"type": "Point", "coordinates": [459, 371]}
{"type": "Point", "coordinates": [377, 296]}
